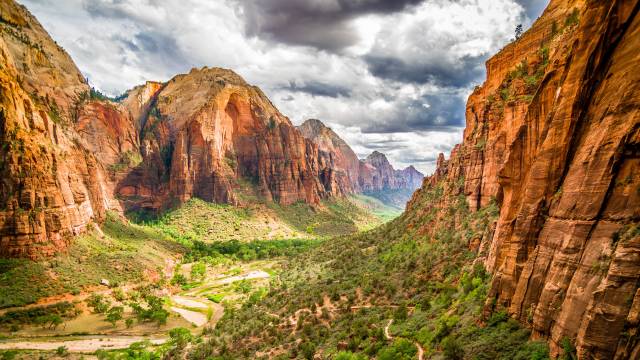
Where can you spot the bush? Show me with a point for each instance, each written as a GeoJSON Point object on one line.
{"type": "Point", "coordinates": [62, 351]}
{"type": "Point", "coordinates": [99, 304]}
{"type": "Point", "coordinates": [452, 348]}
{"type": "Point", "coordinates": [573, 18]}
{"type": "Point", "coordinates": [568, 350]}
{"type": "Point", "coordinates": [401, 349]}
{"type": "Point", "coordinates": [115, 314]}
{"type": "Point", "coordinates": [198, 270]}
{"type": "Point", "coordinates": [180, 337]}
{"type": "Point", "coordinates": [345, 355]}
{"type": "Point", "coordinates": [498, 317]}
{"type": "Point", "coordinates": [533, 350]}
{"type": "Point", "coordinates": [40, 315]}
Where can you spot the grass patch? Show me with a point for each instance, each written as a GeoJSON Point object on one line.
{"type": "Point", "coordinates": [121, 253]}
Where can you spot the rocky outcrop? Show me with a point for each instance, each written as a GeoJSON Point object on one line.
{"type": "Point", "coordinates": [70, 154]}
{"type": "Point", "coordinates": [552, 137]}
{"type": "Point", "coordinates": [51, 186]}
{"type": "Point", "coordinates": [377, 174]}
{"type": "Point", "coordinates": [340, 161]}
{"type": "Point", "coordinates": [205, 131]}
{"type": "Point", "coordinates": [372, 175]}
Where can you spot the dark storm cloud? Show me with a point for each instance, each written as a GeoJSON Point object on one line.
{"type": "Point", "coordinates": [323, 24]}
{"type": "Point", "coordinates": [317, 88]}
{"type": "Point", "coordinates": [444, 112]}
{"type": "Point", "coordinates": [443, 71]}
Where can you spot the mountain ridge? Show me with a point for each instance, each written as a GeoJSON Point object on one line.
{"type": "Point", "coordinates": [374, 175]}
{"type": "Point", "coordinates": [72, 154]}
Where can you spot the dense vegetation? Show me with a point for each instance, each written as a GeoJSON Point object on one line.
{"type": "Point", "coordinates": [121, 251]}
{"type": "Point", "coordinates": [336, 299]}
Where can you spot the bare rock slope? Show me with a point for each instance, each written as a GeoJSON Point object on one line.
{"type": "Point", "coordinates": [553, 137]}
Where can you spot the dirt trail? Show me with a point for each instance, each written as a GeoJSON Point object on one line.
{"type": "Point", "coordinates": [388, 336]}
{"type": "Point", "coordinates": [78, 345]}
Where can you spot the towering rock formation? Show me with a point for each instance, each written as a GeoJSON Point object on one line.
{"type": "Point", "coordinates": [51, 186]}
{"type": "Point", "coordinates": [201, 132]}
{"type": "Point", "coordinates": [553, 136]}
{"type": "Point", "coordinates": [69, 154]}
{"type": "Point", "coordinates": [377, 174]}
{"type": "Point", "coordinates": [341, 162]}
{"type": "Point", "coordinates": [372, 175]}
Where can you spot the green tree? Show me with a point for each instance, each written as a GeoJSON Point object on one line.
{"type": "Point", "coordinates": [452, 348]}
{"type": "Point", "coordinates": [198, 270]}
{"type": "Point", "coordinates": [519, 31]}
{"type": "Point", "coordinates": [180, 337]}
{"type": "Point", "coordinates": [115, 314]}
{"type": "Point", "coordinates": [55, 321]}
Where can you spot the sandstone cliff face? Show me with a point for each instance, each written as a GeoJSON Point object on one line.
{"type": "Point", "coordinates": [352, 175]}
{"type": "Point", "coordinates": [553, 137]}
{"type": "Point", "coordinates": [377, 174]}
{"type": "Point", "coordinates": [341, 163]}
{"type": "Point", "coordinates": [69, 155]}
{"type": "Point", "coordinates": [51, 186]}
{"type": "Point", "coordinates": [206, 130]}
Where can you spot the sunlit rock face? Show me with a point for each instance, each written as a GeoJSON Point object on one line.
{"type": "Point", "coordinates": [343, 171]}
{"type": "Point", "coordinates": [553, 137]}
{"type": "Point", "coordinates": [70, 155]}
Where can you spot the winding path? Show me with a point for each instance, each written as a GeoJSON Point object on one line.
{"type": "Point", "coordinates": [388, 336]}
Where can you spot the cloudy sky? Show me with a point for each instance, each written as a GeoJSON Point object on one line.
{"type": "Point", "coordinates": [386, 75]}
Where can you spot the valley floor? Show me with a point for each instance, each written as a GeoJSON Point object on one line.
{"type": "Point", "coordinates": [194, 262]}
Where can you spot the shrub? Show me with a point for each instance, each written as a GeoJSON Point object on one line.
{"type": "Point", "coordinates": [198, 270]}
{"type": "Point", "coordinates": [498, 317]}
{"type": "Point", "coordinates": [568, 350]}
{"type": "Point", "coordinates": [180, 337]}
{"type": "Point", "coordinates": [40, 314]}
{"type": "Point", "coordinates": [99, 304]}
{"type": "Point", "coordinates": [62, 351]}
{"type": "Point", "coordinates": [573, 18]}
{"type": "Point", "coordinates": [115, 314]}
{"type": "Point", "coordinates": [452, 348]}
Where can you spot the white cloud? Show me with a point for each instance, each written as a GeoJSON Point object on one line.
{"type": "Point", "coordinates": [400, 84]}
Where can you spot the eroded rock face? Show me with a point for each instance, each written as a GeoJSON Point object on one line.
{"type": "Point", "coordinates": [207, 130]}
{"type": "Point", "coordinates": [377, 174]}
{"type": "Point", "coordinates": [341, 165]}
{"type": "Point", "coordinates": [70, 156]}
{"type": "Point", "coordinates": [349, 174]}
{"type": "Point", "coordinates": [553, 137]}
{"type": "Point", "coordinates": [52, 187]}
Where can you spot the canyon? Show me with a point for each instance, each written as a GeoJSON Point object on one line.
{"type": "Point", "coordinates": [71, 154]}
{"type": "Point", "coordinates": [551, 143]}
{"type": "Point", "coordinates": [373, 176]}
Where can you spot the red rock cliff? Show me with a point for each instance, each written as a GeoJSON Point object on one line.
{"type": "Point", "coordinates": [69, 155]}
{"type": "Point", "coordinates": [352, 175]}
{"type": "Point", "coordinates": [51, 186]}
{"type": "Point", "coordinates": [553, 136]}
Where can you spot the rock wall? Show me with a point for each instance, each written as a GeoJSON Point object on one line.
{"type": "Point", "coordinates": [344, 171]}
{"type": "Point", "coordinates": [553, 136]}
{"type": "Point", "coordinates": [51, 186]}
